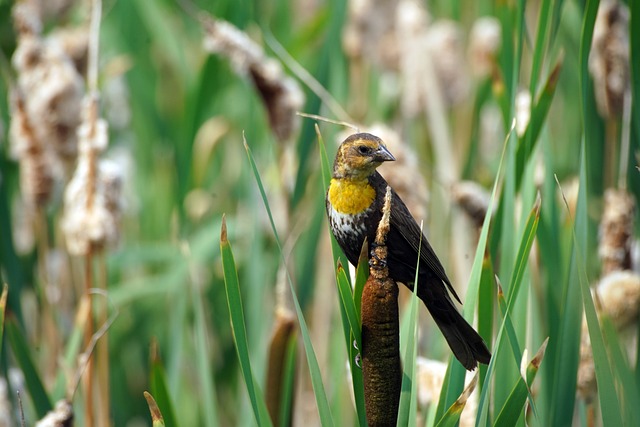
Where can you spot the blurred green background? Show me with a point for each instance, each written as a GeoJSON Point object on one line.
{"type": "Point", "coordinates": [183, 113]}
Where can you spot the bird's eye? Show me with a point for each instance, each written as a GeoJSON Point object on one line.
{"type": "Point", "coordinates": [364, 150]}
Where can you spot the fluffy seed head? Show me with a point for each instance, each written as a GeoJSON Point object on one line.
{"type": "Point", "coordinates": [616, 231]}
{"type": "Point", "coordinates": [609, 57]}
{"type": "Point", "coordinates": [485, 39]}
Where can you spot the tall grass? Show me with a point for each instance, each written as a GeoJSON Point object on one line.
{"type": "Point", "coordinates": [193, 318]}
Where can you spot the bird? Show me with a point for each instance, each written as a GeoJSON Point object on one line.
{"type": "Point", "coordinates": [354, 203]}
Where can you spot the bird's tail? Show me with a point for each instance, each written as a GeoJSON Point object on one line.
{"type": "Point", "coordinates": [467, 346]}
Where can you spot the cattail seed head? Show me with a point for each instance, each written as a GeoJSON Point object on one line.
{"type": "Point", "coordinates": [37, 170]}
{"type": "Point", "coordinates": [444, 42]}
{"type": "Point", "coordinates": [473, 199]}
{"type": "Point", "coordinates": [609, 57]}
{"type": "Point", "coordinates": [616, 231]}
{"type": "Point", "coordinates": [619, 297]}
{"type": "Point", "coordinates": [92, 199]}
{"type": "Point", "coordinates": [280, 93]}
{"type": "Point", "coordinates": [485, 40]}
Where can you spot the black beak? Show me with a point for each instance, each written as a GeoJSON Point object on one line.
{"type": "Point", "coordinates": [383, 155]}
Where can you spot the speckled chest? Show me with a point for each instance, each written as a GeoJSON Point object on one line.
{"type": "Point", "coordinates": [350, 230]}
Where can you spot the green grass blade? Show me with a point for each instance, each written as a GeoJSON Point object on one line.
{"type": "Point", "coordinates": [407, 410]}
{"type": "Point", "coordinates": [452, 416]}
{"type": "Point", "coordinates": [348, 319]}
{"type": "Point", "coordinates": [539, 113]}
{"type": "Point", "coordinates": [22, 353]}
{"type": "Point", "coordinates": [202, 359]}
{"type": "Point", "coordinates": [346, 299]}
{"type": "Point", "coordinates": [486, 305]}
{"type": "Point", "coordinates": [160, 389]}
{"type": "Point", "coordinates": [234, 300]}
{"type": "Point", "coordinates": [316, 377]}
{"type": "Point", "coordinates": [513, 407]}
{"type": "Point", "coordinates": [607, 393]}
{"type": "Point", "coordinates": [630, 394]}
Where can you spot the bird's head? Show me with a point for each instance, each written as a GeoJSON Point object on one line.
{"type": "Point", "coordinates": [359, 155]}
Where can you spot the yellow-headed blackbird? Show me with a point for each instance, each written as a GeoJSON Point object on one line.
{"type": "Point", "coordinates": [354, 207]}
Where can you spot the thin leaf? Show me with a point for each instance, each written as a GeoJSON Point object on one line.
{"type": "Point", "coordinates": [452, 416]}
{"type": "Point", "coordinates": [160, 389]}
{"type": "Point", "coordinates": [236, 313]}
{"type": "Point", "coordinates": [316, 377]}
{"type": "Point", "coordinates": [156, 415]}
{"type": "Point", "coordinates": [22, 353]}
{"type": "Point", "coordinates": [513, 407]}
{"type": "Point", "coordinates": [407, 410]}
{"type": "Point", "coordinates": [346, 298]}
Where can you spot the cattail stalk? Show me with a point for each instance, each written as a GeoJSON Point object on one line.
{"type": "Point", "coordinates": [92, 117]}
{"type": "Point", "coordinates": [381, 369]}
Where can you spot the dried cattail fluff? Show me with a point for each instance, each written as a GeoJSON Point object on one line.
{"type": "Point", "coordinates": [56, 9]}
{"type": "Point", "coordinates": [485, 40]}
{"type": "Point", "coordinates": [586, 386]}
{"type": "Point", "coordinates": [473, 199]}
{"type": "Point", "coordinates": [60, 416]}
{"type": "Point", "coordinates": [280, 93]}
{"type": "Point", "coordinates": [523, 111]}
{"type": "Point", "coordinates": [404, 175]}
{"type": "Point", "coordinates": [92, 199]}
{"type": "Point", "coordinates": [37, 167]}
{"type": "Point", "coordinates": [609, 57]}
{"type": "Point", "coordinates": [27, 17]}
{"type": "Point", "coordinates": [74, 42]}
{"type": "Point", "coordinates": [370, 34]}
{"type": "Point", "coordinates": [411, 22]}
{"type": "Point", "coordinates": [430, 379]}
{"type": "Point", "coordinates": [616, 231]}
{"type": "Point", "coordinates": [52, 86]}
{"type": "Point", "coordinates": [446, 47]}
{"type": "Point", "coordinates": [619, 297]}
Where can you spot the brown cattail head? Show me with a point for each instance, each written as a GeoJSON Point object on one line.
{"type": "Point", "coordinates": [609, 57]}
{"type": "Point", "coordinates": [280, 93]}
{"type": "Point", "coordinates": [616, 231]}
{"type": "Point", "coordinates": [473, 199]}
{"type": "Point", "coordinates": [284, 329]}
{"type": "Point", "coordinates": [381, 370]}
{"type": "Point", "coordinates": [586, 380]}
{"type": "Point", "coordinates": [37, 172]}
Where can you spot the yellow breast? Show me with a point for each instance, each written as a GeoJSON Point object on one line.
{"type": "Point", "coordinates": [350, 197]}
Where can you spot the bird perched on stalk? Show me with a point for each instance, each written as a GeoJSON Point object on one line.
{"type": "Point", "coordinates": [354, 207]}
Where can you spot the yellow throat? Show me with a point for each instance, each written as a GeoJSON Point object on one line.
{"type": "Point", "coordinates": [349, 196]}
